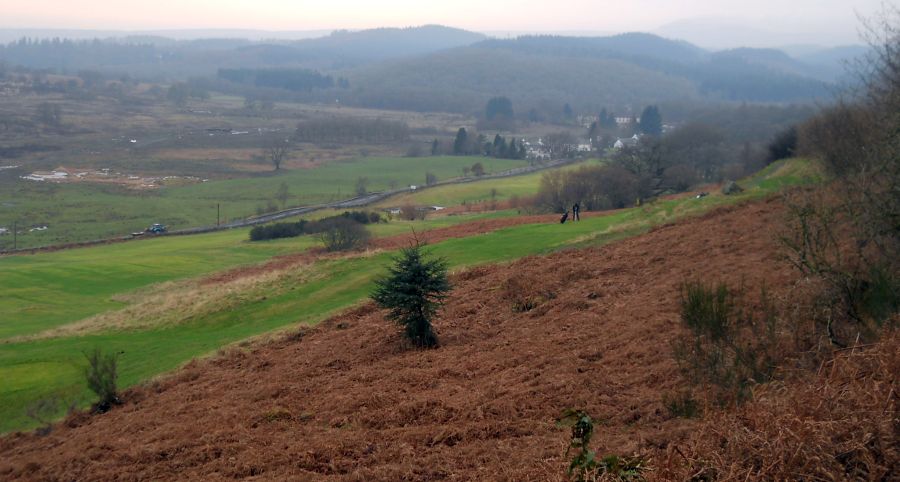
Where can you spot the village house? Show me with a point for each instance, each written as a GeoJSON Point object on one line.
{"type": "Point", "coordinates": [536, 151]}
{"type": "Point", "coordinates": [624, 121]}
{"type": "Point", "coordinates": [627, 142]}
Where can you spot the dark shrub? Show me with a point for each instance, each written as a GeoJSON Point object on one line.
{"type": "Point", "coordinates": [102, 375]}
{"type": "Point", "coordinates": [728, 349]}
{"type": "Point", "coordinates": [342, 234]}
{"type": "Point", "coordinates": [784, 145]}
{"type": "Point", "coordinates": [278, 230]}
{"type": "Point", "coordinates": [362, 217]}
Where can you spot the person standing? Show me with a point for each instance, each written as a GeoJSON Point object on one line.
{"type": "Point", "coordinates": [576, 209]}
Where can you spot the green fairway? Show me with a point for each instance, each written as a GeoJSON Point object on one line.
{"type": "Point", "coordinates": [50, 289]}
{"type": "Point", "coordinates": [65, 286]}
{"type": "Point", "coordinates": [81, 211]}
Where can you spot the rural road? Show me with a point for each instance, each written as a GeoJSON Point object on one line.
{"type": "Point", "coordinates": [368, 199]}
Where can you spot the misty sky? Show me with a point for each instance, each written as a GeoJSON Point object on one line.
{"type": "Point", "coordinates": [832, 21]}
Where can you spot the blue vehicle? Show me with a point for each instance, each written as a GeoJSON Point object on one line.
{"type": "Point", "coordinates": [157, 229]}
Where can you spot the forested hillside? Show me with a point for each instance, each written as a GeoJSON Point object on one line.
{"type": "Point", "coordinates": [435, 68]}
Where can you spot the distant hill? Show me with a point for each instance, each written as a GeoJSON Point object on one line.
{"type": "Point", "coordinates": [463, 79]}
{"type": "Point", "coordinates": [441, 68]}
{"type": "Point", "coordinates": [619, 71]}
{"type": "Point", "coordinates": [387, 43]}
{"type": "Point", "coordinates": [628, 46]}
{"type": "Point", "coordinates": [835, 62]}
{"type": "Point", "coordinates": [197, 56]}
{"type": "Point", "coordinates": [11, 34]}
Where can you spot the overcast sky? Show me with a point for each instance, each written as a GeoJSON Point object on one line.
{"type": "Point", "coordinates": [827, 19]}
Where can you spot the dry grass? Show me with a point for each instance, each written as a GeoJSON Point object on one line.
{"type": "Point", "coordinates": [842, 424]}
{"type": "Point", "coordinates": [177, 302]}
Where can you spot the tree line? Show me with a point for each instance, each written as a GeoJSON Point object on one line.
{"type": "Point", "coordinates": [477, 144]}
{"type": "Point", "coordinates": [297, 80]}
{"type": "Point", "coordinates": [691, 154]}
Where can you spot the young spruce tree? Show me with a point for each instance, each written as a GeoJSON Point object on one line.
{"type": "Point", "coordinates": [413, 290]}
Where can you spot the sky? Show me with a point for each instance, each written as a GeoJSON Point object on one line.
{"type": "Point", "coordinates": [832, 21]}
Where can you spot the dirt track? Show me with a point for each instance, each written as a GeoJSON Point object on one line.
{"type": "Point", "coordinates": [346, 400]}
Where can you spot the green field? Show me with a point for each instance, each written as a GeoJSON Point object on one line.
{"type": "Point", "coordinates": [51, 289]}
{"type": "Point", "coordinates": [81, 211]}
{"type": "Point", "coordinates": [477, 192]}
{"type": "Point", "coordinates": [54, 290]}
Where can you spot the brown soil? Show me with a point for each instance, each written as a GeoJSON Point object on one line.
{"type": "Point", "coordinates": [348, 401]}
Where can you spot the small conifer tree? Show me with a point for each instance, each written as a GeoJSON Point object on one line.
{"type": "Point", "coordinates": [413, 290]}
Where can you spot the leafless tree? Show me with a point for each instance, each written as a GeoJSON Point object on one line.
{"type": "Point", "coordinates": [278, 151]}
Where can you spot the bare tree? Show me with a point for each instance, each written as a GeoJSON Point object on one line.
{"type": "Point", "coordinates": [847, 235]}
{"type": "Point", "coordinates": [410, 213]}
{"type": "Point", "coordinates": [278, 152]}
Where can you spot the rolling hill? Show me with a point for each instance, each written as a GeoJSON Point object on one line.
{"type": "Point", "coordinates": [621, 72]}
{"type": "Point", "coordinates": [441, 68]}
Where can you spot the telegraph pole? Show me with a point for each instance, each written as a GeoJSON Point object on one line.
{"type": "Point", "coordinates": [15, 235]}
{"type": "Point", "coordinates": [217, 214]}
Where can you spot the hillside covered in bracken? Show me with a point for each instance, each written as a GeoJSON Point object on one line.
{"type": "Point", "coordinates": [591, 329]}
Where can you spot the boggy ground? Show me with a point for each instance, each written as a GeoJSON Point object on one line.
{"type": "Point", "coordinates": [348, 401]}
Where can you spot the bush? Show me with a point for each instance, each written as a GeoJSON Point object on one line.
{"type": "Point", "coordinates": [342, 234]}
{"type": "Point", "coordinates": [278, 230]}
{"type": "Point", "coordinates": [783, 146]}
{"type": "Point", "coordinates": [102, 375]}
{"type": "Point", "coordinates": [681, 404]}
{"type": "Point", "coordinates": [410, 213]}
{"type": "Point", "coordinates": [413, 290]}
{"type": "Point", "coordinates": [291, 230]}
{"type": "Point", "coordinates": [850, 237]}
{"type": "Point", "coordinates": [584, 465]}
{"type": "Point", "coordinates": [859, 288]}
{"type": "Point", "coordinates": [362, 217]}
{"type": "Point", "coordinates": [44, 410]}
{"type": "Point", "coordinates": [728, 349]}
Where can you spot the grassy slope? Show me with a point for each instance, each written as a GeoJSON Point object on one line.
{"type": "Point", "coordinates": [51, 289]}
{"type": "Point", "coordinates": [38, 368]}
{"type": "Point", "coordinates": [78, 212]}
{"type": "Point", "coordinates": [474, 192]}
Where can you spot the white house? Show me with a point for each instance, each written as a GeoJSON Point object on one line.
{"type": "Point", "coordinates": [627, 142]}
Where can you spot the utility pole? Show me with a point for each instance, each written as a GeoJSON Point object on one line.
{"type": "Point", "coordinates": [15, 235]}
{"type": "Point", "coordinates": [217, 214]}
